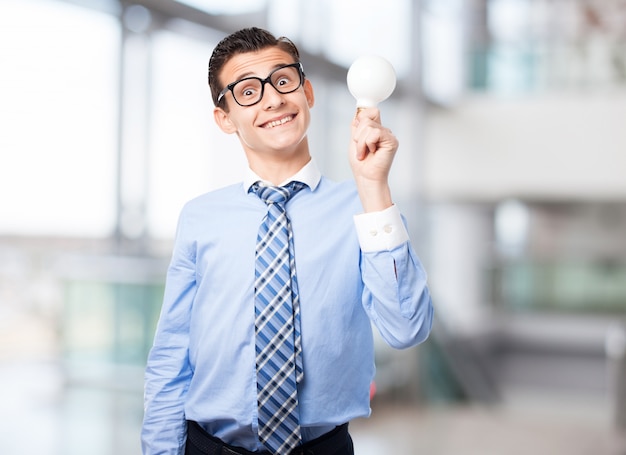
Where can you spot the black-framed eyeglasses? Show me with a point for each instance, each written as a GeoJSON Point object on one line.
{"type": "Point", "coordinates": [249, 90]}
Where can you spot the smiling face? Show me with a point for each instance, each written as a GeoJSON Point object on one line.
{"type": "Point", "coordinates": [273, 130]}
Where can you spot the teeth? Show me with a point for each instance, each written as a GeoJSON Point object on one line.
{"type": "Point", "coordinates": [279, 122]}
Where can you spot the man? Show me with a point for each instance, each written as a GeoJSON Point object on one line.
{"type": "Point", "coordinates": [298, 259]}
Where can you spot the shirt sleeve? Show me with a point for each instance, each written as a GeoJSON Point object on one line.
{"type": "Point", "coordinates": [382, 230]}
{"type": "Point", "coordinates": [168, 372]}
{"type": "Point", "coordinates": [396, 295]}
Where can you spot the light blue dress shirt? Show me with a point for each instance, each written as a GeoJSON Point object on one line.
{"type": "Point", "coordinates": [202, 364]}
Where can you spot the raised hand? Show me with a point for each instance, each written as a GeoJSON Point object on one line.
{"type": "Point", "coordinates": [371, 153]}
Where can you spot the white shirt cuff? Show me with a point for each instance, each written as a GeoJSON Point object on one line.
{"type": "Point", "coordinates": [380, 231]}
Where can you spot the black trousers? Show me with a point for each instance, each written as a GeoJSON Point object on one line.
{"type": "Point", "coordinates": [335, 442]}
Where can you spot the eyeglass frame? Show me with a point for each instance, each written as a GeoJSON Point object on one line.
{"type": "Point", "coordinates": [267, 80]}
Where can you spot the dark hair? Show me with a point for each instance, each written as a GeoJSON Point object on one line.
{"type": "Point", "coordinates": [246, 40]}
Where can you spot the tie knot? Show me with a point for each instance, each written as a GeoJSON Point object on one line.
{"type": "Point", "coordinates": [277, 194]}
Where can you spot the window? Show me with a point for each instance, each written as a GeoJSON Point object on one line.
{"type": "Point", "coordinates": [59, 119]}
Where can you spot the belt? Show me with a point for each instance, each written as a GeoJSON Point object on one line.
{"type": "Point", "coordinates": [210, 445]}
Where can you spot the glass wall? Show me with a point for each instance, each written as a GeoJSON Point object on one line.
{"type": "Point", "coordinates": [547, 45]}
{"type": "Point", "coordinates": [559, 257]}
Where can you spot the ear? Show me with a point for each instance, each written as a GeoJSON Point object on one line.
{"type": "Point", "coordinates": [222, 118]}
{"type": "Point", "coordinates": [308, 91]}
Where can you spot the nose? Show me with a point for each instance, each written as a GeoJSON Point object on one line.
{"type": "Point", "coordinates": [271, 97]}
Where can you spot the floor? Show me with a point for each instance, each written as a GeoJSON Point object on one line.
{"type": "Point", "coordinates": [453, 430]}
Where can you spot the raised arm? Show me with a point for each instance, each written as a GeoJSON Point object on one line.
{"type": "Point", "coordinates": [396, 295]}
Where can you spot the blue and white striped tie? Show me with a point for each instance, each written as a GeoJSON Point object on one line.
{"type": "Point", "coordinates": [277, 324]}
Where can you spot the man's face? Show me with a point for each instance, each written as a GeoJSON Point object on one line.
{"type": "Point", "coordinates": [276, 124]}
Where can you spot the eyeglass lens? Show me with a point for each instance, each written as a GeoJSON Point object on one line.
{"type": "Point", "coordinates": [284, 80]}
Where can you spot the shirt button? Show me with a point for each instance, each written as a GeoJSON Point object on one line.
{"type": "Point", "coordinates": [373, 232]}
{"type": "Point", "coordinates": [388, 228]}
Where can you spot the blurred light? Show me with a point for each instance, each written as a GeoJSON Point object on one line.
{"type": "Point", "coordinates": [226, 7]}
{"type": "Point", "coordinates": [511, 226]}
{"type": "Point", "coordinates": [283, 18]}
{"type": "Point", "coordinates": [364, 27]}
{"type": "Point", "coordinates": [508, 20]}
{"type": "Point", "coordinates": [443, 74]}
{"type": "Point", "coordinates": [615, 343]}
{"type": "Point", "coordinates": [59, 115]}
{"type": "Point", "coordinates": [137, 18]}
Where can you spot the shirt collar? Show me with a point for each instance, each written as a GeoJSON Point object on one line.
{"type": "Point", "coordinates": [309, 175]}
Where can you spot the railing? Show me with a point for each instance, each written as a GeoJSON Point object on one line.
{"type": "Point", "coordinates": [111, 307]}
{"type": "Point", "coordinates": [573, 286]}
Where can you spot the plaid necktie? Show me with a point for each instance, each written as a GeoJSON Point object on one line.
{"type": "Point", "coordinates": [277, 324]}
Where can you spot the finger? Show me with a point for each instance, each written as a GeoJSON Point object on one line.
{"type": "Point", "coordinates": [371, 113]}
{"type": "Point", "coordinates": [360, 150]}
{"type": "Point", "coordinates": [372, 140]}
{"type": "Point", "coordinates": [368, 142]}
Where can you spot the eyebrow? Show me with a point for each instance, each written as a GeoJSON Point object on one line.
{"type": "Point", "coordinates": [251, 74]}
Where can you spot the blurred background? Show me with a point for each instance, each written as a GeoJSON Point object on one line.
{"type": "Point", "coordinates": [511, 116]}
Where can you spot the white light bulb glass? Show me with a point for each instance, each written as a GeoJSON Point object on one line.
{"type": "Point", "coordinates": [371, 79]}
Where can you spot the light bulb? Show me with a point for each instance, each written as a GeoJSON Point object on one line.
{"type": "Point", "coordinates": [371, 79]}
